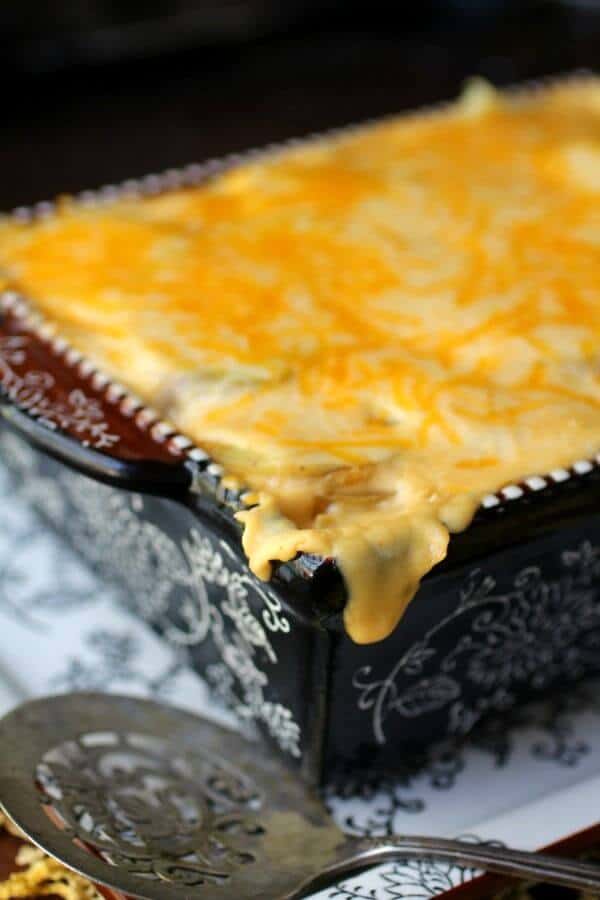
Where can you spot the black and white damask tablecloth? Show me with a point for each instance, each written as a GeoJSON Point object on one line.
{"type": "Point", "coordinates": [529, 784]}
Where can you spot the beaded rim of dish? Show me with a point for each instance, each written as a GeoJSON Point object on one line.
{"type": "Point", "coordinates": [112, 392]}
{"type": "Point", "coordinates": [198, 173]}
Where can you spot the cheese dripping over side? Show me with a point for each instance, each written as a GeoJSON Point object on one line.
{"type": "Point", "coordinates": [371, 331]}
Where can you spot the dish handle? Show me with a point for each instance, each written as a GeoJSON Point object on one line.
{"type": "Point", "coordinates": [58, 401]}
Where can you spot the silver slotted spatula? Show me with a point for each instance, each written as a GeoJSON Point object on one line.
{"type": "Point", "coordinates": [154, 802]}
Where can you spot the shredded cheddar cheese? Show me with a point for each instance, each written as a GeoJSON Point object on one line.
{"type": "Point", "coordinates": [371, 331]}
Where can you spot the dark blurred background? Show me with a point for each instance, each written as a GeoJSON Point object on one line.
{"type": "Point", "coordinates": [99, 90]}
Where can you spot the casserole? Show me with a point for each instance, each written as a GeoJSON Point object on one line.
{"type": "Point", "coordinates": [407, 689]}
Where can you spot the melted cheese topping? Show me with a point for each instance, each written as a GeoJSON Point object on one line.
{"type": "Point", "coordinates": [372, 331]}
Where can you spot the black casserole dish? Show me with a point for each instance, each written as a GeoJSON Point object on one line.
{"type": "Point", "coordinates": [513, 610]}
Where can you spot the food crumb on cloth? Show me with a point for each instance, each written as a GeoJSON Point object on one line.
{"type": "Point", "coordinates": [41, 876]}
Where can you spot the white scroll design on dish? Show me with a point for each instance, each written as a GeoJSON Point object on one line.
{"type": "Point", "coordinates": [192, 589]}
{"type": "Point", "coordinates": [80, 413]}
{"type": "Point", "coordinates": [543, 628]}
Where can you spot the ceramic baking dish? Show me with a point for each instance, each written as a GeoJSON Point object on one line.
{"type": "Point", "coordinates": [513, 611]}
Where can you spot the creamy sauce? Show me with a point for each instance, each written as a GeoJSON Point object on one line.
{"type": "Point", "coordinates": [371, 331]}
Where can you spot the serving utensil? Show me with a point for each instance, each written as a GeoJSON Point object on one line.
{"type": "Point", "coordinates": [156, 803]}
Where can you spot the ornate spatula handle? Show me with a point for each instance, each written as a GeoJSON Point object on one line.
{"type": "Point", "coordinates": [491, 858]}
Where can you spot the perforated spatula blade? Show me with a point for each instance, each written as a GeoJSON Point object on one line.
{"type": "Point", "coordinates": [156, 803]}
{"type": "Point", "coordinates": [168, 804]}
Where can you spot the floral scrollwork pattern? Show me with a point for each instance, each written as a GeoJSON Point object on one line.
{"type": "Point", "coordinates": [542, 629]}
{"type": "Point", "coordinates": [31, 392]}
{"type": "Point", "coordinates": [192, 589]}
{"type": "Point", "coordinates": [189, 819]}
